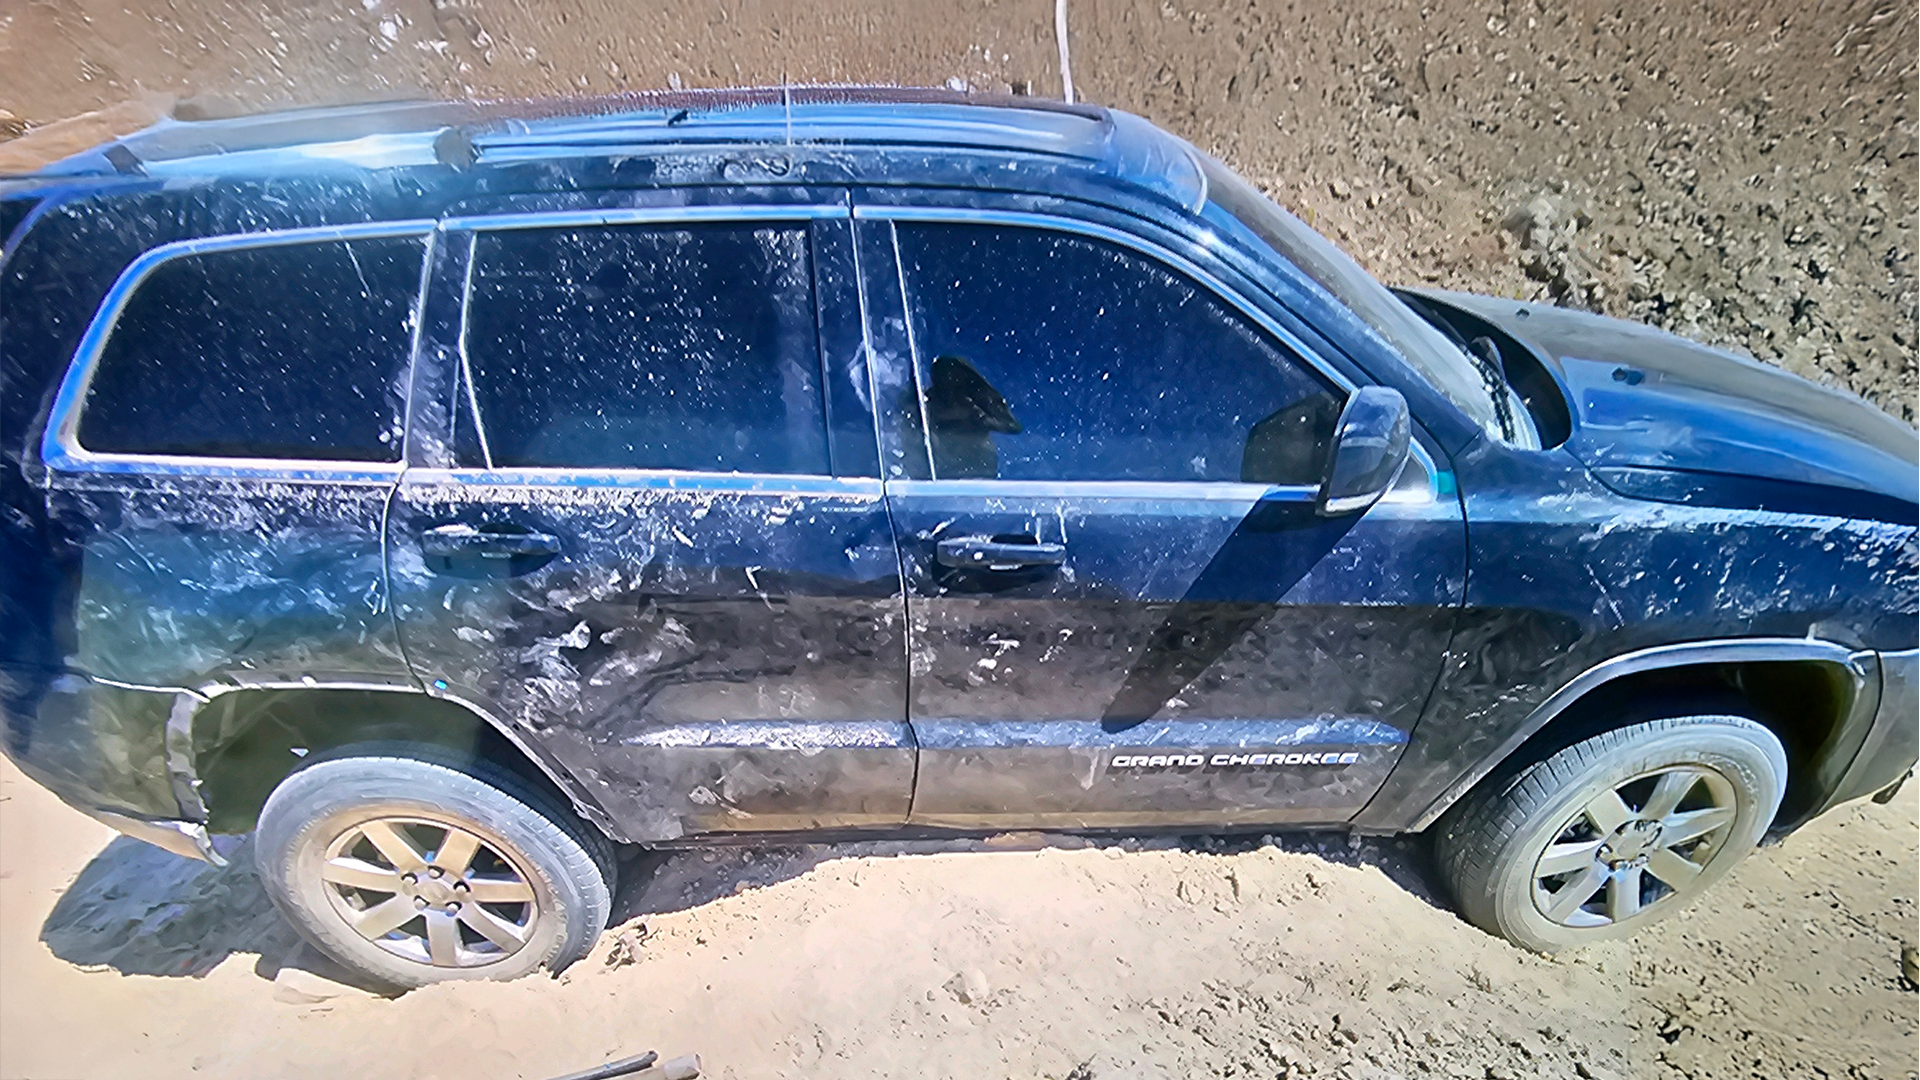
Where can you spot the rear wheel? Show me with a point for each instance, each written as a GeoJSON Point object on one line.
{"type": "Point", "coordinates": [1614, 832]}
{"type": "Point", "coordinates": [410, 868]}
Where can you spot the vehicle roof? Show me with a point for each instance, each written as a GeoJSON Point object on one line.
{"type": "Point", "coordinates": [461, 133]}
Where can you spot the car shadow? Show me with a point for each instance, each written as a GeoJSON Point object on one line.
{"type": "Point", "coordinates": [139, 910]}
{"type": "Point", "coordinates": [143, 911]}
{"type": "Point", "coordinates": [662, 881]}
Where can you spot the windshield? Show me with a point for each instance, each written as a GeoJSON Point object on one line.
{"type": "Point", "coordinates": [1429, 351]}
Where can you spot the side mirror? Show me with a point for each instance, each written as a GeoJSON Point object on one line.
{"type": "Point", "coordinates": [1370, 448]}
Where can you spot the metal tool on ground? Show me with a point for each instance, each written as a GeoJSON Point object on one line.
{"type": "Point", "coordinates": [647, 1066]}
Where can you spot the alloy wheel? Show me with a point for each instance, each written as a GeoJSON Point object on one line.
{"type": "Point", "coordinates": [430, 891]}
{"type": "Point", "coordinates": [1637, 846]}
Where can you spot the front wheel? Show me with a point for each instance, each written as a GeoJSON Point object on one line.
{"type": "Point", "coordinates": [1614, 832]}
{"type": "Point", "coordinates": [411, 869]}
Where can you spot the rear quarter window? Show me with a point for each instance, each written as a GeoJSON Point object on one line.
{"type": "Point", "coordinates": [289, 351]}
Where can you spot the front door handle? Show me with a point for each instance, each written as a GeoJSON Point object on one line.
{"type": "Point", "coordinates": [993, 553]}
{"type": "Point", "coordinates": [457, 540]}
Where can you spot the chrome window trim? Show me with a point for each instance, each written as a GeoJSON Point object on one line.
{"type": "Point", "coordinates": [295, 470]}
{"type": "Point", "coordinates": [60, 448]}
{"type": "Point", "coordinates": [1158, 490]}
{"type": "Point", "coordinates": [654, 479]}
{"type": "Point", "coordinates": [646, 215]}
{"type": "Point", "coordinates": [9, 244]}
{"type": "Point", "coordinates": [1059, 223]}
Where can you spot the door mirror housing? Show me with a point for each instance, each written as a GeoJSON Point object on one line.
{"type": "Point", "coordinates": [1371, 443]}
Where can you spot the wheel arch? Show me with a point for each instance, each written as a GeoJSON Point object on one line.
{"type": "Point", "coordinates": [1817, 696]}
{"type": "Point", "coordinates": [229, 745]}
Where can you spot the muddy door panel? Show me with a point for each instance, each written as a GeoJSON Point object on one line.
{"type": "Point", "coordinates": [638, 554]}
{"type": "Point", "coordinates": [705, 660]}
{"type": "Point", "coordinates": [1124, 609]}
{"type": "Point", "coordinates": [195, 582]}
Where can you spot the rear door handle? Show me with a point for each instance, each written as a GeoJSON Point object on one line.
{"type": "Point", "coordinates": [988, 553]}
{"type": "Point", "coordinates": [452, 541]}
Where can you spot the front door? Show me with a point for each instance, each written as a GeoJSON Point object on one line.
{"type": "Point", "coordinates": [644, 527]}
{"type": "Point", "coordinates": [1123, 608]}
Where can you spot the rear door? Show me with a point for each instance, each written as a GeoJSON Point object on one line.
{"type": "Point", "coordinates": [1123, 608]}
{"type": "Point", "coordinates": [219, 458]}
{"type": "Point", "coordinates": [643, 523]}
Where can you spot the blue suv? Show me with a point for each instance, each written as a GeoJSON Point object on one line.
{"type": "Point", "coordinates": [449, 492]}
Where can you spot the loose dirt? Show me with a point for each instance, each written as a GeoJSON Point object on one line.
{"type": "Point", "coordinates": [1743, 173]}
{"type": "Point", "coordinates": [1018, 957]}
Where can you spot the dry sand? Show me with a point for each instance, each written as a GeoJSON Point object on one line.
{"type": "Point", "coordinates": [1302, 956]}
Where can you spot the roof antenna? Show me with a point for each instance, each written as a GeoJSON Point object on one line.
{"type": "Point", "coordinates": [1060, 35]}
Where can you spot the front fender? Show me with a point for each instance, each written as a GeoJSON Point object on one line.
{"type": "Point", "coordinates": [1859, 668]}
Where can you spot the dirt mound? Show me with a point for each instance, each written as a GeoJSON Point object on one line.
{"type": "Point", "coordinates": [1742, 174]}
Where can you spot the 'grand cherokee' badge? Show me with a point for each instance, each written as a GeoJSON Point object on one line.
{"type": "Point", "coordinates": [1229, 761]}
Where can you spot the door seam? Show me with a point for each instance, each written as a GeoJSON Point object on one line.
{"type": "Point", "coordinates": [886, 501]}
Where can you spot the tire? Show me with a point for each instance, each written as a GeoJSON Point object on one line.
{"type": "Point", "coordinates": [1493, 846]}
{"type": "Point", "coordinates": [493, 879]}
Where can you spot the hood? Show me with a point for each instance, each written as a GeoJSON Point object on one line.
{"type": "Point", "coordinates": [1643, 399]}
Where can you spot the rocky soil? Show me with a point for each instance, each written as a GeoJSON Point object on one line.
{"type": "Point", "coordinates": [1738, 171]}
{"type": "Point", "coordinates": [1742, 173]}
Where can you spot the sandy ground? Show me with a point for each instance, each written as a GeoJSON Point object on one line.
{"type": "Point", "coordinates": [1741, 172]}
{"type": "Point", "coordinates": [1292, 957]}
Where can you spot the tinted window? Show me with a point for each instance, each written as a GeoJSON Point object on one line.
{"type": "Point", "coordinates": [691, 347]}
{"type": "Point", "coordinates": [1047, 356]}
{"type": "Point", "coordinates": [291, 351]}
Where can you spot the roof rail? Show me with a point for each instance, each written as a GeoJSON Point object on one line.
{"type": "Point", "coordinates": [177, 138]}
